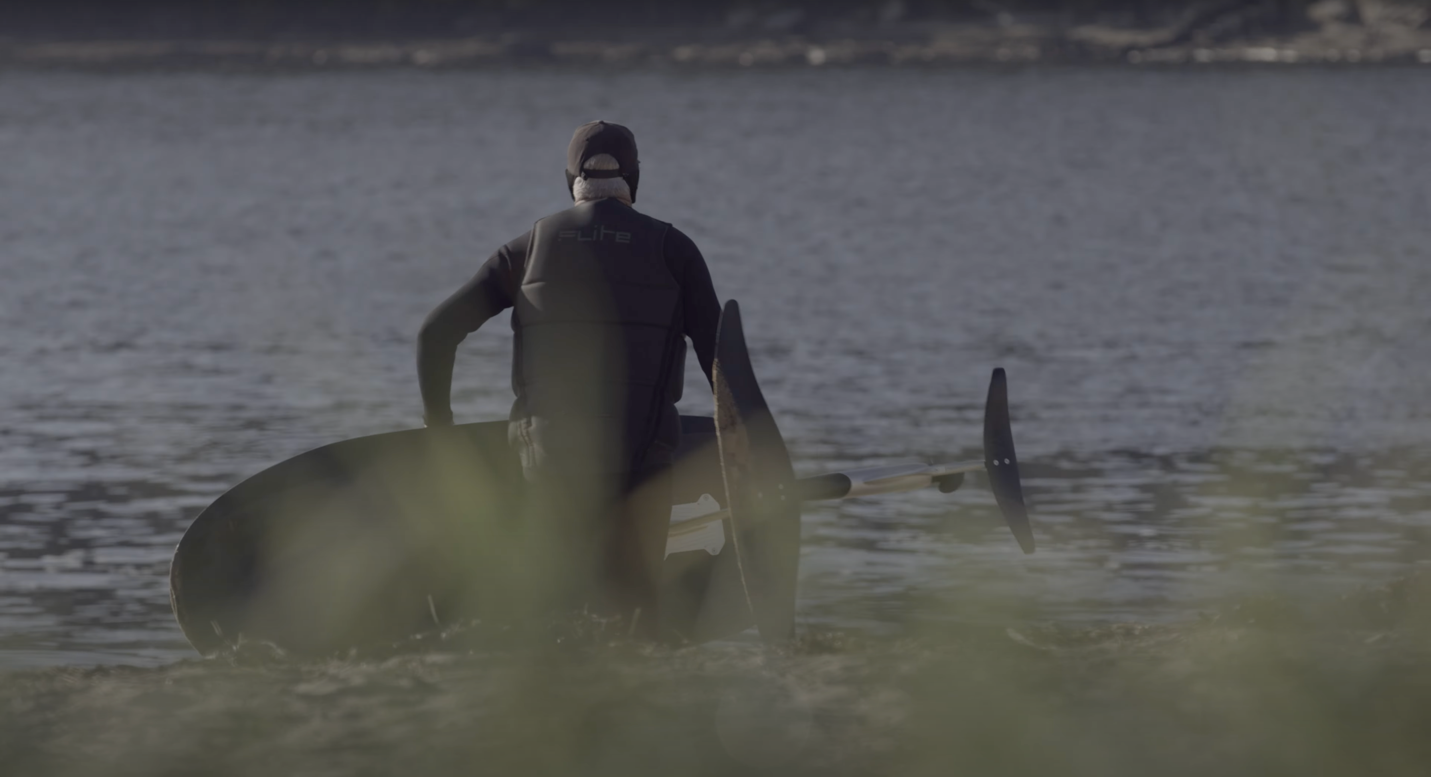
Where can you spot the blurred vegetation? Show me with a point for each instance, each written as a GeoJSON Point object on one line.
{"type": "Point", "coordinates": [440, 18]}
{"type": "Point", "coordinates": [1259, 687]}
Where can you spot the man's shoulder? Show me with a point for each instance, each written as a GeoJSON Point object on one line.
{"type": "Point", "coordinates": [516, 248]}
{"type": "Point", "coordinates": [679, 242]}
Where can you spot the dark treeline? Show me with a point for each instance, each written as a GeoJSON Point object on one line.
{"type": "Point", "coordinates": [278, 19]}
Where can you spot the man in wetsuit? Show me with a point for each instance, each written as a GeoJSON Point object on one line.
{"type": "Point", "coordinates": [603, 298]}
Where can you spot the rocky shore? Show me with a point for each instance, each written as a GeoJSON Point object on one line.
{"type": "Point", "coordinates": [1332, 32]}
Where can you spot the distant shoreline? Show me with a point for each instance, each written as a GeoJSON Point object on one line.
{"type": "Point", "coordinates": [931, 45]}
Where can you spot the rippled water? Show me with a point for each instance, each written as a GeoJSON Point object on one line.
{"type": "Point", "coordinates": [1209, 290]}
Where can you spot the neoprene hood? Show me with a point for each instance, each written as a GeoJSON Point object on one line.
{"type": "Point", "coordinates": [600, 137]}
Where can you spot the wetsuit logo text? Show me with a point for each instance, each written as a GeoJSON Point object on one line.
{"type": "Point", "coordinates": [595, 234]}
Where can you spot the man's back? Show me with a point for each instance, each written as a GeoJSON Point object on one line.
{"type": "Point", "coordinates": [599, 350]}
{"type": "Point", "coordinates": [499, 284]}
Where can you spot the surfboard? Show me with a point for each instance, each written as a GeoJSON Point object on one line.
{"type": "Point", "coordinates": [373, 539]}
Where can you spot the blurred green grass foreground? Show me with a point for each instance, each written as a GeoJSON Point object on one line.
{"type": "Point", "coordinates": [1260, 687]}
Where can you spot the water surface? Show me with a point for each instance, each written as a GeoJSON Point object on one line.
{"type": "Point", "coordinates": [1208, 289]}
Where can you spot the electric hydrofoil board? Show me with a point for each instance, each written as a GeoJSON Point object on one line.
{"type": "Point", "coordinates": [374, 539]}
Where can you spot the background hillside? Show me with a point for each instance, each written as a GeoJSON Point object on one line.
{"type": "Point", "coordinates": [350, 19]}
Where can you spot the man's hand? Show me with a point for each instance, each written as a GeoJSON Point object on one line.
{"type": "Point", "coordinates": [431, 419]}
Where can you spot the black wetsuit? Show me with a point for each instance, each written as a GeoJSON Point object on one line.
{"type": "Point", "coordinates": [668, 298]}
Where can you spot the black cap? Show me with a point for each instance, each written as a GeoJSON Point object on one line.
{"type": "Point", "coordinates": [600, 137]}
